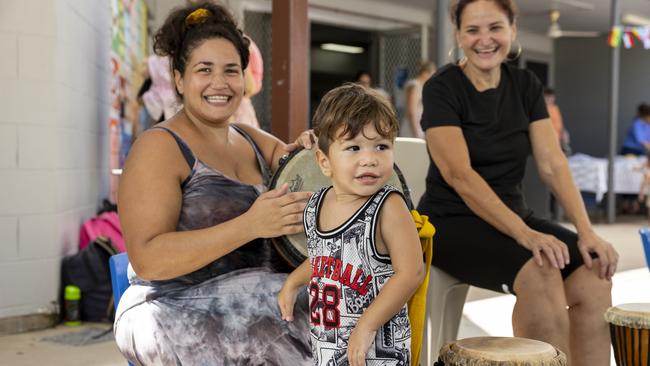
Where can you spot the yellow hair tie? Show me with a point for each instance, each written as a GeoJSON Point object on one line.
{"type": "Point", "coordinates": [197, 16]}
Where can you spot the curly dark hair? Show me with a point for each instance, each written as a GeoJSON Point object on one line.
{"type": "Point", "coordinates": [352, 106]}
{"type": "Point", "coordinates": [177, 37]}
{"type": "Point", "coordinates": [643, 110]}
{"type": "Point", "coordinates": [508, 7]}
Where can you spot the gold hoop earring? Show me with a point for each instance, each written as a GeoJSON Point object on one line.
{"type": "Point", "coordinates": [450, 56]}
{"type": "Point", "coordinates": [451, 52]}
{"type": "Point", "coordinates": [519, 51]}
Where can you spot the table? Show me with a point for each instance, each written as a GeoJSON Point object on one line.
{"type": "Point", "coordinates": [590, 174]}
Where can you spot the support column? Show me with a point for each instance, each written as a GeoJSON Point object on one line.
{"type": "Point", "coordinates": [289, 68]}
{"type": "Point", "coordinates": [613, 115]}
{"type": "Point", "coordinates": [444, 34]}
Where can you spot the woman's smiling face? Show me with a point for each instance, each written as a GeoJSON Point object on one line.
{"type": "Point", "coordinates": [485, 34]}
{"type": "Point", "coordinates": [213, 82]}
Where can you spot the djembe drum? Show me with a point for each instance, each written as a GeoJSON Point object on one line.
{"type": "Point", "coordinates": [629, 325]}
{"type": "Point", "coordinates": [500, 351]}
{"type": "Point", "coordinates": [301, 171]}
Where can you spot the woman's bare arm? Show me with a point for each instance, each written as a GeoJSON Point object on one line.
{"type": "Point", "coordinates": [150, 201]}
{"type": "Point", "coordinates": [449, 151]}
{"type": "Point", "coordinates": [555, 173]}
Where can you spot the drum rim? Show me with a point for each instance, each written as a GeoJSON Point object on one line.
{"type": "Point", "coordinates": [618, 316]}
{"type": "Point", "coordinates": [406, 191]}
{"type": "Point", "coordinates": [453, 353]}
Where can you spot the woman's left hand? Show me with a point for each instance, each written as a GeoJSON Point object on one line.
{"type": "Point", "coordinates": [307, 139]}
{"type": "Point", "coordinates": [590, 242]}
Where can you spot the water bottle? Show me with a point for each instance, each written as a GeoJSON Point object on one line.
{"type": "Point", "coordinates": [72, 299]}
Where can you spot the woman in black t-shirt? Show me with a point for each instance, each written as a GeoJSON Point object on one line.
{"type": "Point", "coordinates": [482, 119]}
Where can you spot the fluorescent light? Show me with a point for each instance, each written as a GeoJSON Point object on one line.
{"type": "Point", "coordinates": [341, 48]}
{"type": "Point", "coordinates": [633, 19]}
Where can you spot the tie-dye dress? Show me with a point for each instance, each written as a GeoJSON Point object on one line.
{"type": "Point", "coordinates": [225, 313]}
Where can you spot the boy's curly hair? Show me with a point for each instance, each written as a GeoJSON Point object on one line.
{"type": "Point", "coordinates": [344, 112]}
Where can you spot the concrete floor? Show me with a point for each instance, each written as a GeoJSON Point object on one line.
{"type": "Point", "coordinates": [30, 348]}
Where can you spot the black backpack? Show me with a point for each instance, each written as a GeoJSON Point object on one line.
{"type": "Point", "coordinates": [88, 269]}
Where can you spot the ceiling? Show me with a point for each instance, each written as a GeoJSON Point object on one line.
{"type": "Point", "coordinates": [534, 15]}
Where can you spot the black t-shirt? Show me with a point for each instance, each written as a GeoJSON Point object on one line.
{"type": "Point", "coordinates": [495, 126]}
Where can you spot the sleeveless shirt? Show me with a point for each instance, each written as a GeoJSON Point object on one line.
{"type": "Point", "coordinates": [347, 275]}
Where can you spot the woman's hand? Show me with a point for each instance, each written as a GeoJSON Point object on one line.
{"type": "Point", "coordinates": [306, 139]}
{"type": "Point", "coordinates": [546, 245]}
{"type": "Point", "coordinates": [276, 213]}
{"type": "Point", "coordinates": [589, 242]}
{"type": "Point", "coordinates": [358, 345]}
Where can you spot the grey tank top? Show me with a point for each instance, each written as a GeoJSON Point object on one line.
{"type": "Point", "coordinates": [210, 198]}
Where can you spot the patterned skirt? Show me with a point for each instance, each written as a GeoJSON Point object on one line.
{"type": "Point", "coordinates": [232, 319]}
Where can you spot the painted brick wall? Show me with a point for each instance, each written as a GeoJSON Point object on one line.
{"type": "Point", "coordinates": [54, 85]}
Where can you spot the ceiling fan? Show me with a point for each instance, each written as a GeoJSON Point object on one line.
{"type": "Point", "coordinates": [555, 31]}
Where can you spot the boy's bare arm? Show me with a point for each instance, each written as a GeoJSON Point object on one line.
{"type": "Point", "coordinates": [287, 295]}
{"type": "Point", "coordinates": [399, 234]}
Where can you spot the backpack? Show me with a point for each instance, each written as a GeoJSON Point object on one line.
{"type": "Point", "coordinates": [88, 269]}
{"type": "Point", "coordinates": [105, 224]}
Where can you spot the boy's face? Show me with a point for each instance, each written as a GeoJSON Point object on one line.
{"type": "Point", "coordinates": [359, 166]}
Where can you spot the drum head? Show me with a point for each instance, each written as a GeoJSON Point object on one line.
{"type": "Point", "coordinates": [501, 351]}
{"type": "Point", "coordinates": [629, 315]}
{"type": "Point", "coordinates": [301, 171]}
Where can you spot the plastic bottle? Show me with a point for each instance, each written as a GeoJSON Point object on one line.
{"type": "Point", "coordinates": [72, 299]}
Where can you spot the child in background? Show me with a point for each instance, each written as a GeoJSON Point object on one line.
{"type": "Point", "coordinates": [365, 258]}
{"type": "Point", "coordinates": [645, 187]}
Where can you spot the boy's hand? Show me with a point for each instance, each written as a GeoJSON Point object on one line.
{"type": "Point", "coordinates": [286, 300]}
{"type": "Point", "coordinates": [641, 197]}
{"type": "Point", "coordinates": [305, 140]}
{"type": "Point", "coordinates": [358, 345]}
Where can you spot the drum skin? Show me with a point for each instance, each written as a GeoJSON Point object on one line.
{"type": "Point", "coordinates": [629, 326]}
{"type": "Point", "coordinates": [301, 171]}
{"type": "Point", "coordinates": [500, 351]}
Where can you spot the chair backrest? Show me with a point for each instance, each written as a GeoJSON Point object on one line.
{"type": "Point", "coordinates": [119, 264]}
{"type": "Point", "coordinates": [412, 158]}
{"type": "Point", "coordinates": [645, 239]}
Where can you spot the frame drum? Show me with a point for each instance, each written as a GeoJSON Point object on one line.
{"type": "Point", "coordinates": [500, 351]}
{"type": "Point", "coordinates": [301, 171]}
{"type": "Point", "coordinates": [629, 326]}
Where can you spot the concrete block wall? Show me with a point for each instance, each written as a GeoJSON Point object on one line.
{"type": "Point", "coordinates": [54, 100]}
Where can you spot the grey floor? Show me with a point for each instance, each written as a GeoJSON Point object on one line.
{"type": "Point", "coordinates": [32, 349]}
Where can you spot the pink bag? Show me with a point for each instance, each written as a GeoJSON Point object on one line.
{"type": "Point", "coordinates": [106, 224]}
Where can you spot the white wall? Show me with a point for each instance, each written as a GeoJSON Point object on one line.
{"type": "Point", "coordinates": [54, 85]}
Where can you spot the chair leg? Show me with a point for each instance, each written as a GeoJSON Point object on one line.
{"type": "Point", "coordinates": [445, 300]}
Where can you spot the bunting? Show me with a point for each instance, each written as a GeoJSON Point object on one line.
{"type": "Point", "coordinates": [629, 36]}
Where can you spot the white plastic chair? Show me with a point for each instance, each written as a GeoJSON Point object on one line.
{"type": "Point", "coordinates": [446, 294]}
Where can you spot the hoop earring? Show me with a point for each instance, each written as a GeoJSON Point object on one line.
{"type": "Point", "coordinates": [451, 52]}
{"type": "Point", "coordinates": [450, 56]}
{"type": "Point", "coordinates": [519, 51]}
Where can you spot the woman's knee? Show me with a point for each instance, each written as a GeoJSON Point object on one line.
{"type": "Point", "coordinates": [584, 286]}
{"type": "Point", "coordinates": [539, 280]}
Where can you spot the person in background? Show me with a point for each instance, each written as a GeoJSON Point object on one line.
{"type": "Point", "coordinates": [410, 126]}
{"type": "Point", "coordinates": [482, 118]}
{"type": "Point", "coordinates": [160, 99]}
{"type": "Point", "coordinates": [253, 79]}
{"type": "Point", "coordinates": [364, 78]}
{"type": "Point", "coordinates": [637, 140]}
{"type": "Point", "coordinates": [357, 225]}
{"type": "Point", "coordinates": [556, 120]}
{"type": "Point", "coordinates": [645, 187]}
{"type": "Point", "coordinates": [196, 215]}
